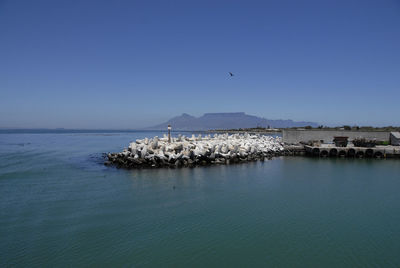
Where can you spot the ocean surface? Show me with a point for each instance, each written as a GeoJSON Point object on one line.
{"type": "Point", "coordinates": [60, 207]}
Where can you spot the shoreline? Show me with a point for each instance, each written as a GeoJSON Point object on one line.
{"type": "Point", "coordinates": [229, 148]}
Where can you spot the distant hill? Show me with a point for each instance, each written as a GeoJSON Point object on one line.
{"type": "Point", "coordinates": [226, 121]}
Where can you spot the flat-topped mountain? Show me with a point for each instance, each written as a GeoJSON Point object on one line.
{"type": "Point", "coordinates": [226, 121]}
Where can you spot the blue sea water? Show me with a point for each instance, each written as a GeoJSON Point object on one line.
{"type": "Point", "coordinates": [60, 207]}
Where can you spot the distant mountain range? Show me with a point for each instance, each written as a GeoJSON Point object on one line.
{"type": "Point", "coordinates": [226, 121]}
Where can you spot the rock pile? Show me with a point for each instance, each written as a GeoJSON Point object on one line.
{"type": "Point", "coordinates": [196, 151]}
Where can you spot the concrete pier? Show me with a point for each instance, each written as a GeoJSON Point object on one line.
{"type": "Point", "coordinates": [330, 150]}
{"type": "Point", "coordinates": [294, 149]}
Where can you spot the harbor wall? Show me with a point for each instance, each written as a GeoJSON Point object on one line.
{"type": "Point", "coordinates": [294, 136]}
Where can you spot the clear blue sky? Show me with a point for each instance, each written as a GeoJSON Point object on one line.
{"type": "Point", "coordinates": [130, 64]}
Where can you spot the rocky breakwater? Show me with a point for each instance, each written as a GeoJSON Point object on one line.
{"type": "Point", "coordinates": [196, 151]}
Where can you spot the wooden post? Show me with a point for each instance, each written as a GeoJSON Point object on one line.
{"type": "Point", "coordinates": [169, 133]}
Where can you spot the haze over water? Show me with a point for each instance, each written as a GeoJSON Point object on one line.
{"type": "Point", "coordinates": [59, 207]}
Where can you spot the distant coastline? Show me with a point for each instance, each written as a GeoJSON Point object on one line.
{"type": "Point", "coordinates": [259, 130]}
{"type": "Point", "coordinates": [320, 128]}
{"type": "Point", "coordinates": [65, 130]}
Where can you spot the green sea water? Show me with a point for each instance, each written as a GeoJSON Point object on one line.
{"type": "Point", "coordinates": [60, 207]}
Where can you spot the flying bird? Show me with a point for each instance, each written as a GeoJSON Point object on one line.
{"type": "Point", "coordinates": [231, 74]}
